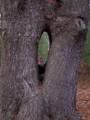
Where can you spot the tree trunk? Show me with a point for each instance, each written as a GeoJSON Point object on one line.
{"type": "Point", "coordinates": [23, 22]}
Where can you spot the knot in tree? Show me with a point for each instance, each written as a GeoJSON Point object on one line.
{"type": "Point", "coordinates": [22, 97]}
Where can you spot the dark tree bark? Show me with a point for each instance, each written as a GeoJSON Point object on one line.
{"type": "Point", "coordinates": [23, 22]}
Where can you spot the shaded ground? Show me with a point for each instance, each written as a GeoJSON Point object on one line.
{"type": "Point", "coordinates": [83, 94]}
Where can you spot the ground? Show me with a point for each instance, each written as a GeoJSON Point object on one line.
{"type": "Point", "coordinates": [83, 92]}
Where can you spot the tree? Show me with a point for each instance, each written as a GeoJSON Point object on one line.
{"type": "Point", "coordinates": [23, 22]}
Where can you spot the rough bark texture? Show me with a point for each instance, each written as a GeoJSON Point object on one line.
{"type": "Point", "coordinates": [23, 22]}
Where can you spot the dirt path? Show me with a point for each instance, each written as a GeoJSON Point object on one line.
{"type": "Point", "coordinates": [83, 94]}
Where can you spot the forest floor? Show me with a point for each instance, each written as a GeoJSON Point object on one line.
{"type": "Point", "coordinates": [83, 92]}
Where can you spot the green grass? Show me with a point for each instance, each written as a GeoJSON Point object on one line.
{"type": "Point", "coordinates": [86, 55]}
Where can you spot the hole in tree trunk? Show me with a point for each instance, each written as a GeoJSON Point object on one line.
{"type": "Point", "coordinates": [43, 49]}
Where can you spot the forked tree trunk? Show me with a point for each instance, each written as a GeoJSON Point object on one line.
{"type": "Point", "coordinates": [23, 22]}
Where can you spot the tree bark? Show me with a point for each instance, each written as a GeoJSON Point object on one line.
{"type": "Point", "coordinates": [61, 72]}
{"type": "Point", "coordinates": [23, 22]}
